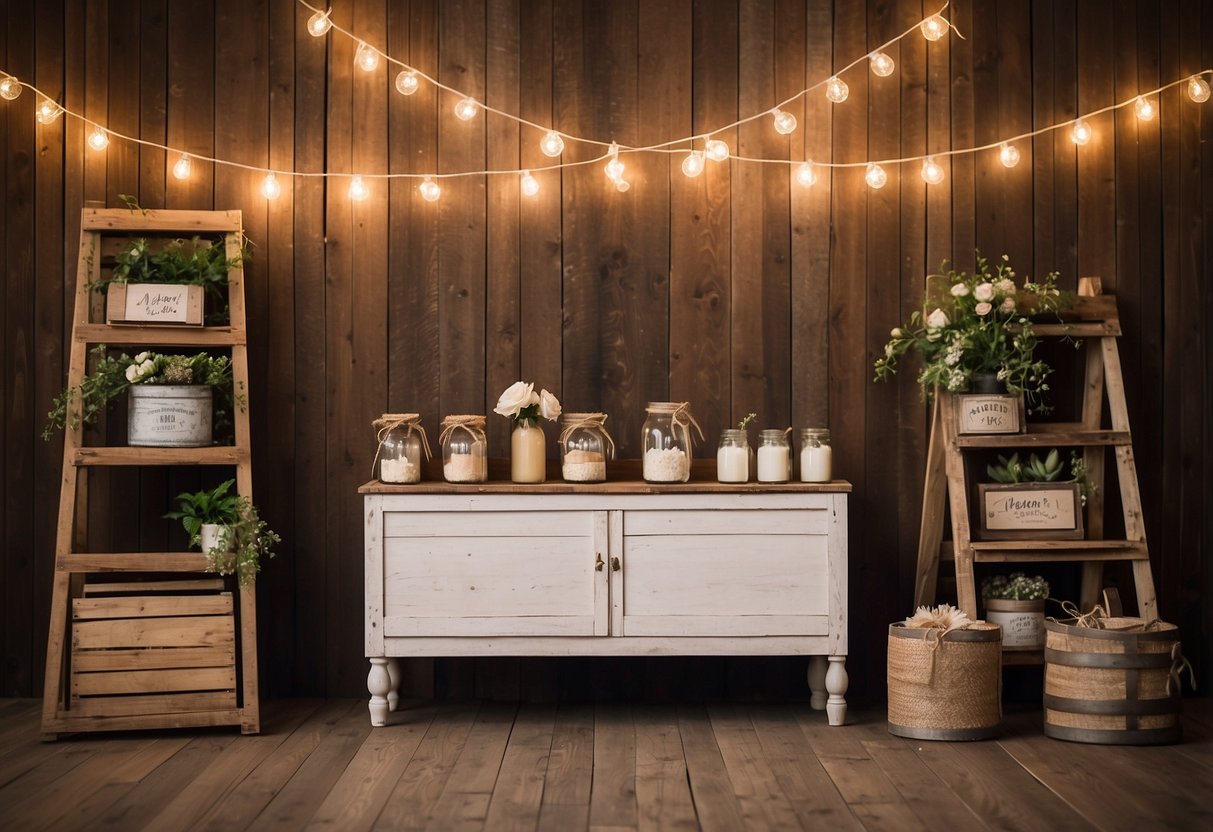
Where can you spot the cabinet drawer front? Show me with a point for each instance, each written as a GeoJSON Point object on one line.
{"type": "Point", "coordinates": [725, 575]}
{"type": "Point", "coordinates": [529, 524]}
{"type": "Point", "coordinates": [488, 582]}
{"type": "Point", "coordinates": [727, 521]}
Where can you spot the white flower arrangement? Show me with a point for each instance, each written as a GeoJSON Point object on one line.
{"type": "Point", "coordinates": [522, 404]}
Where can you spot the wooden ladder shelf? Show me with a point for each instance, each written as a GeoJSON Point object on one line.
{"type": "Point", "coordinates": [1095, 321]}
{"type": "Point", "coordinates": [151, 651]}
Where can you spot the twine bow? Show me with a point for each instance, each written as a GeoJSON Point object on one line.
{"type": "Point", "coordinates": [451, 423]}
{"type": "Point", "coordinates": [682, 416]}
{"type": "Point", "coordinates": [573, 421]}
{"type": "Point", "coordinates": [389, 422]}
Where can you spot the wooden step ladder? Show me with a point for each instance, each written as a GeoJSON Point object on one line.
{"type": "Point", "coordinates": [1094, 319]}
{"type": "Point", "coordinates": [139, 653]}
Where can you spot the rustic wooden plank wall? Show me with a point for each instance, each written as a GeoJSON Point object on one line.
{"type": "Point", "coordinates": [739, 290]}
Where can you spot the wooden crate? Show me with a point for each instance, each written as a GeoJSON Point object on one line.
{"type": "Point", "coordinates": [153, 652]}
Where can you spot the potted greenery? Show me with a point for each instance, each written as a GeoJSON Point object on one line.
{"type": "Point", "coordinates": [228, 529]}
{"type": "Point", "coordinates": [171, 396]}
{"type": "Point", "coordinates": [975, 330]}
{"type": "Point", "coordinates": [1017, 604]}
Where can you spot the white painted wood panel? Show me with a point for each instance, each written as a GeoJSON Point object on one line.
{"type": "Point", "coordinates": [727, 521]}
{"type": "Point", "coordinates": [488, 524]}
{"type": "Point", "coordinates": [596, 646]}
{"type": "Point", "coordinates": [725, 575]}
{"type": "Point", "coordinates": [725, 626]}
{"type": "Point", "coordinates": [487, 502]}
{"type": "Point", "coordinates": [467, 625]}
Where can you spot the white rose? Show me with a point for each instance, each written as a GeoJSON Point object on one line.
{"type": "Point", "coordinates": [549, 406]}
{"type": "Point", "coordinates": [959, 290]}
{"type": "Point", "coordinates": [1008, 305]}
{"type": "Point", "coordinates": [141, 357]}
{"type": "Point", "coordinates": [896, 332]}
{"type": "Point", "coordinates": [983, 308]}
{"type": "Point", "coordinates": [517, 396]}
{"type": "Point", "coordinates": [938, 318]}
{"type": "Point", "coordinates": [984, 291]}
{"type": "Point", "coordinates": [131, 372]}
{"type": "Point", "coordinates": [146, 367]}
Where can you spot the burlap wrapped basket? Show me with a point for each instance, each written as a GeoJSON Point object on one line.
{"type": "Point", "coordinates": [945, 687]}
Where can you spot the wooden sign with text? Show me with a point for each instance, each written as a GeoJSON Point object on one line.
{"type": "Point", "coordinates": [1030, 510]}
{"type": "Point", "coordinates": [153, 303]}
{"type": "Point", "coordinates": [989, 413]}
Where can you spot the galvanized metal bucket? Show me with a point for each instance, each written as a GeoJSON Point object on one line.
{"type": "Point", "coordinates": [170, 415]}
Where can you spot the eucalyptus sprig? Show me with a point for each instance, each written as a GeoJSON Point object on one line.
{"type": "Point", "coordinates": [746, 420]}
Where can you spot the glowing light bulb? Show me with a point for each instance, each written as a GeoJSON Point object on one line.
{"type": "Point", "coordinates": [805, 174]}
{"type": "Point", "coordinates": [837, 90]}
{"type": "Point", "coordinates": [466, 108]}
{"type": "Point", "coordinates": [881, 64]}
{"type": "Point", "coordinates": [407, 82]}
{"type": "Point", "coordinates": [875, 176]}
{"type": "Point", "coordinates": [785, 122]}
{"type": "Point", "coordinates": [1008, 154]}
{"type": "Point", "coordinates": [367, 57]}
{"type": "Point", "coordinates": [529, 184]}
{"type": "Point", "coordinates": [319, 23]}
{"type": "Point", "coordinates": [10, 88]}
{"type": "Point", "coordinates": [614, 169]}
{"type": "Point", "coordinates": [1198, 89]}
{"type": "Point", "coordinates": [934, 27]}
{"type": "Point", "coordinates": [48, 111]}
{"type": "Point", "coordinates": [270, 189]}
{"type": "Point", "coordinates": [358, 189]}
{"type": "Point", "coordinates": [552, 143]}
{"type": "Point", "coordinates": [932, 173]}
{"type": "Point", "coordinates": [622, 185]}
{"type": "Point", "coordinates": [429, 190]}
{"type": "Point", "coordinates": [692, 165]}
{"type": "Point", "coordinates": [1145, 109]}
{"type": "Point", "coordinates": [1080, 133]}
{"type": "Point", "coordinates": [716, 150]}
{"type": "Point", "coordinates": [98, 139]}
{"type": "Point", "coordinates": [181, 170]}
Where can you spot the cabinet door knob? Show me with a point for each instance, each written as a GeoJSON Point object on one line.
{"type": "Point", "coordinates": [598, 564]}
{"type": "Point", "coordinates": [615, 565]}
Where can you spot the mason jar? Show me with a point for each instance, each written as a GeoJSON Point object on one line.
{"type": "Point", "coordinates": [667, 442]}
{"type": "Point", "coordinates": [816, 455]}
{"type": "Point", "coordinates": [774, 456]}
{"type": "Point", "coordinates": [733, 456]}
{"type": "Point", "coordinates": [585, 447]}
{"type": "Point", "coordinates": [400, 446]}
{"type": "Point", "coordinates": [465, 449]}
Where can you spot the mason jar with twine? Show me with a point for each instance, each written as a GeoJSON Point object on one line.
{"type": "Point", "coordinates": [465, 456]}
{"type": "Point", "coordinates": [585, 447]}
{"type": "Point", "coordinates": [667, 441]}
{"type": "Point", "coordinates": [401, 441]}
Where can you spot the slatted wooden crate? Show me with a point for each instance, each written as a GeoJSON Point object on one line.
{"type": "Point", "coordinates": [167, 651]}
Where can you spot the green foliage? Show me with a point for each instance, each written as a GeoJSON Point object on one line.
{"type": "Point", "coordinates": [1049, 469]}
{"type": "Point", "coordinates": [112, 376]}
{"type": "Point", "coordinates": [977, 324]}
{"type": "Point", "coordinates": [200, 507]}
{"type": "Point", "coordinates": [746, 420]}
{"type": "Point", "coordinates": [1017, 587]}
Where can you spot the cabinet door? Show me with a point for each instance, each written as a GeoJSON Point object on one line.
{"type": "Point", "coordinates": [724, 572]}
{"type": "Point", "coordinates": [491, 573]}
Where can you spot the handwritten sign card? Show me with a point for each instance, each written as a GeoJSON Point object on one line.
{"type": "Point", "coordinates": [1012, 511]}
{"type": "Point", "coordinates": [154, 303]}
{"type": "Point", "coordinates": [989, 413]}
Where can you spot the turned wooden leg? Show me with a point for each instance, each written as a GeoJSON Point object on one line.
{"type": "Point", "coordinates": [836, 684]}
{"type": "Point", "coordinates": [817, 683]}
{"type": "Point", "coordinates": [393, 694]}
{"type": "Point", "coordinates": [379, 683]}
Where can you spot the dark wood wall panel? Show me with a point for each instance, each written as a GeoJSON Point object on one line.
{"type": "Point", "coordinates": [739, 290]}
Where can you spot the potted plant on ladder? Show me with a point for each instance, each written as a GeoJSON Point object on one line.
{"type": "Point", "coordinates": [228, 529]}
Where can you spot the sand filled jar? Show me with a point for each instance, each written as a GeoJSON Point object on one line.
{"type": "Point", "coordinates": [585, 447]}
{"type": "Point", "coordinates": [401, 442]}
{"type": "Point", "coordinates": [465, 449]}
{"type": "Point", "coordinates": [667, 441]}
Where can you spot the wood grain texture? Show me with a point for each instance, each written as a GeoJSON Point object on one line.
{"type": "Point", "coordinates": [772, 299]}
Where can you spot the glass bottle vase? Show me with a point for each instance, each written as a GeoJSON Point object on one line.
{"type": "Point", "coordinates": [528, 460]}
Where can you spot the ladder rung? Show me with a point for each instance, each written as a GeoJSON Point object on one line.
{"type": "Point", "coordinates": [1053, 435]}
{"type": "Point", "coordinates": [1004, 551]}
{"type": "Point", "coordinates": [163, 335]}
{"type": "Point", "coordinates": [132, 561]}
{"type": "Point", "coordinates": [211, 455]}
{"type": "Point", "coordinates": [1079, 329]}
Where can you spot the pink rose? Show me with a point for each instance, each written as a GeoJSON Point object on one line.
{"type": "Point", "coordinates": [983, 308]}
{"type": "Point", "coordinates": [959, 290]}
{"type": "Point", "coordinates": [984, 291]}
{"type": "Point", "coordinates": [1008, 305]}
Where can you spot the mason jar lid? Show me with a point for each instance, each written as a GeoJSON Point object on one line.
{"type": "Point", "coordinates": [818, 434]}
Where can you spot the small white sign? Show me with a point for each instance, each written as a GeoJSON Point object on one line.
{"type": "Point", "coordinates": [998, 413]}
{"type": "Point", "coordinates": [154, 303]}
{"type": "Point", "coordinates": [1022, 510]}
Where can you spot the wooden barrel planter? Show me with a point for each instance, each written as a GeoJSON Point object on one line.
{"type": "Point", "coordinates": [1112, 686]}
{"type": "Point", "coordinates": [945, 688]}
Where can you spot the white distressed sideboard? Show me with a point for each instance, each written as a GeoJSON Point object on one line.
{"type": "Point", "coordinates": [617, 569]}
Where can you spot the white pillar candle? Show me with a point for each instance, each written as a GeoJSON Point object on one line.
{"type": "Point", "coordinates": [773, 464]}
{"type": "Point", "coordinates": [815, 463]}
{"type": "Point", "coordinates": [732, 464]}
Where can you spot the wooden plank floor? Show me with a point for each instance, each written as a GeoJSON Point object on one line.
{"type": "Point", "coordinates": [471, 766]}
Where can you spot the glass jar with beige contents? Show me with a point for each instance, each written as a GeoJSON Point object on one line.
{"type": "Point", "coordinates": [401, 442]}
{"type": "Point", "coordinates": [465, 449]}
{"type": "Point", "coordinates": [585, 447]}
{"type": "Point", "coordinates": [667, 442]}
